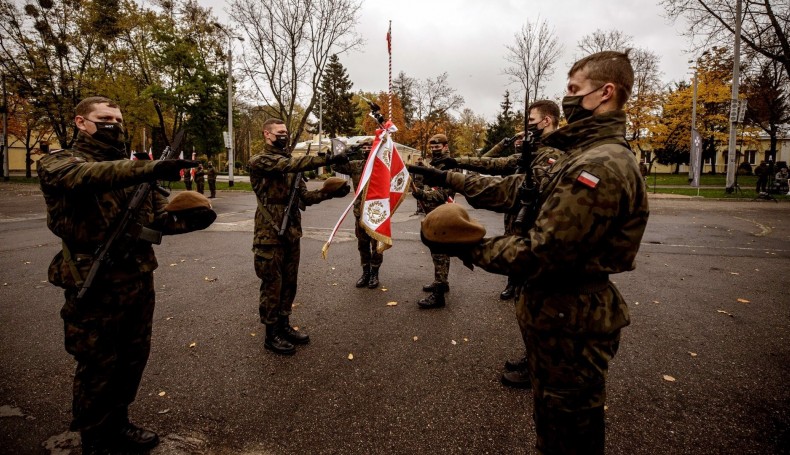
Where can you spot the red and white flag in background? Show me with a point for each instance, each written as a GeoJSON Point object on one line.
{"type": "Point", "coordinates": [382, 187]}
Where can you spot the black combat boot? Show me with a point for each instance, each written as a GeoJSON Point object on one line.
{"type": "Point", "coordinates": [291, 334]}
{"type": "Point", "coordinates": [373, 282]}
{"type": "Point", "coordinates": [436, 299]}
{"type": "Point", "coordinates": [517, 364]}
{"type": "Point", "coordinates": [276, 342]}
{"type": "Point", "coordinates": [432, 286]}
{"type": "Point", "coordinates": [517, 379]}
{"type": "Point", "coordinates": [136, 439]}
{"type": "Point", "coordinates": [510, 290]}
{"type": "Point", "coordinates": [365, 278]}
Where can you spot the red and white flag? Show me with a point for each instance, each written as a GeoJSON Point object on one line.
{"type": "Point", "coordinates": [382, 186]}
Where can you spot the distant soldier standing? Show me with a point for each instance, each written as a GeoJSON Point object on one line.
{"type": "Point", "coordinates": [432, 197]}
{"type": "Point", "coordinates": [591, 216]}
{"type": "Point", "coordinates": [369, 255]}
{"type": "Point", "coordinates": [273, 175]}
{"type": "Point", "coordinates": [188, 179]}
{"type": "Point", "coordinates": [212, 180]}
{"type": "Point", "coordinates": [87, 190]}
{"type": "Point", "coordinates": [200, 179]}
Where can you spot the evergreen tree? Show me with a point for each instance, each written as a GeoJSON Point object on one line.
{"type": "Point", "coordinates": [339, 111]}
{"type": "Point", "coordinates": [403, 88]}
{"type": "Point", "coordinates": [504, 126]}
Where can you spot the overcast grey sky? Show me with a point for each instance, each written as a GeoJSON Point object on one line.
{"type": "Point", "coordinates": [467, 39]}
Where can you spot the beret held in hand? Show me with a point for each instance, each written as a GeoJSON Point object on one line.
{"type": "Point", "coordinates": [188, 200]}
{"type": "Point", "coordinates": [333, 184]}
{"type": "Point", "coordinates": [450, 223]}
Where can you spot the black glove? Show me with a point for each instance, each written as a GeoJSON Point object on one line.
{"type": "Point", "coordinates": [445, 162]}
{"type": "Point", "coordinates": [462, 251]}
{"type": "Point", "coordinates": [431, 176]}
{"type": "Point", "coordinates": [171, 169]}
{"type": "Point", "coordinates": [340, 158]}
{"type": "Point", "coordinates": [342, 191]}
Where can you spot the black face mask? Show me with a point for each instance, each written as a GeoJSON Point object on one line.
{"type": "Point", "coordinates": [572, 107]}
{"type": "Point", "coordinates": [110, 133]}
{"type": "Point", "coordinates": [281, 141]}
{"type": "Point", "coordinates": [437, 153]}
{"type": "Point", "coordinates": [534, 131]}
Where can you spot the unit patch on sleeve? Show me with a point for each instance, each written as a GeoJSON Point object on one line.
{"type": "Point", "coordinates": [588, 179]}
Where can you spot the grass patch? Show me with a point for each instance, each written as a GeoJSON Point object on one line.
{"type": "Point", "coordinates": [704, 180]}
{"type": "Point", "coordinates": [714, 193]}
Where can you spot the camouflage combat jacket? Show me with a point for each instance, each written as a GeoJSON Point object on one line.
{"type": "Point", "coordinates": [211, 174]}
{"type": "Point", "coordinates": [354, 169]}
{"type": "Point", "coordinates": [593, 209]}
{"type": "Point", "coordinates": [433, 197]}
{"type": "Point", "coordinates": [508, 165]}
{"type": "Point", "coordinates": [272, 174]}
{"type": "Point", "coordinates": [87, 189]}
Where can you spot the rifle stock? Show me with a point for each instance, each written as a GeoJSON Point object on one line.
{"type": "Point", "coordinates": [289, 207]}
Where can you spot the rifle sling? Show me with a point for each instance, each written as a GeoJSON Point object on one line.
{"type": "Point", "coordinates": [75, 273]}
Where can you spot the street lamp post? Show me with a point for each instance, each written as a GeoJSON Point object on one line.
{"type": "Point", "coordinates": [230, 144]}
{"type": "Point", "coordinates": [736, 69]}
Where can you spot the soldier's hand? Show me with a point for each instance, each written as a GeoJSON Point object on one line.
{"type": "Point", "coordinates": [342, 191]}
{"type": "Point", "coordinates": [431, 176]}
{"type": "Point", "coordinates": [445, 162]}
{"type": "Point", "coordinates": [340, 158]}
{"type": "Point", "coordinates": [171, 169]}
{"type": "Point", "coordinates": [462, 251]}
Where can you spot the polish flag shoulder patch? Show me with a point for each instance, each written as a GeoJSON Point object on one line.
{"type": "Point", "coordinates": [552, 161]}
{"type": "Point", "coordinates": [588, 179]}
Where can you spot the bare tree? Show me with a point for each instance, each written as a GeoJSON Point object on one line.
{"type": "Point", "coordinates": [765, 29]}
{"type": "Point", "coordinates": [291, 42]}
{"type": "Point", "coordinates": [433, 101]}
{"type": "Point", "coordinates": [48, 51]}
{"type": "Point", "coordinates": [533, 56]}
{"type": "Point", "coordinates": [600, 40]}
{"type": "Point", "coordinates": [646, 96]}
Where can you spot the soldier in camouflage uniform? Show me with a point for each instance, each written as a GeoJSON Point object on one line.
{"type": "Point", "coordinates": [188, 179]}
{"type": "Point", "coordinates": [211, 175]}
{"type": "Point", "coordinates": [200, 179]}
{"type": "Point", "coordinates": [87, 189]}
{"type": "Point", "coordinates": [542, 120]}
{"type": "Point", "coordinates": [432, 197]}
{"type": "Point", "coordinates": [272, 175]}
{"type": "Point", "coordinates": [593, 212]}
{"type": "Point", "coordinates": [369, 255]}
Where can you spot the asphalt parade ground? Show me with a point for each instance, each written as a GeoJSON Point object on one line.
{"type": "Point", "coordinates": [703, 368]}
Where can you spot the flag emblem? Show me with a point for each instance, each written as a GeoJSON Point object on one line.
{"type": "Point", "coordinates": [588, 179]}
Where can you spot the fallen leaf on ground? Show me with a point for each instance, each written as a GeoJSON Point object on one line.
{"type": "Point", "coordinates": [605, 408]}
{"type": "Point", "coordinates": [210, 279]}
{"type": "Point", "coordinates": [725, 312]}
{"type": "Point", "coordinates": [192, 345]}
{"type": "Point", "coordinates": [692, 354]}
{"type": "Point", "coordinates": [669, 378]}
{"type": "Point", "coordinates": [183, 260]}
{"type": "Point", "coordinates": [734, 273]}
{"type": "Point", "coordinates": [392, 303]}
{"type": "Point", "coordinates": [173, 265]}
{"type": "Point", "coordinates": [334, 284]}
{"type": "Point", "coordinates": [743, 301]}
{"type": "Point", "coordinates": [252, 334]}
{"type": "Point", "coordinates": [168, 318]}
{"type": "Point", "coordinates": [416, 338]}
{"type": "Point", "coordinates": [350, 356]}
{"type": "Point", "coordinates": [333, 268]}
{"type": "Point", "coordinates": [164, 411]}
{"type": "Point", "coordinates": [213, 267]}
{"type": "Point", "coordinates": [656, 301]}
{"type": "Point", "coordinates": [162, 393]}
{"type": "Point", "coordinates": [453, 342]}
{"type": "Point", "coordinates": [383, 289]}
{"type": "Point", "coordinates": [466, 339]}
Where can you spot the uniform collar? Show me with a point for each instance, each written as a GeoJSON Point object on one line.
{"type": "Point", "coordinates": [100, 151]}
{"type": "Point", "coordinates": [586, 132]}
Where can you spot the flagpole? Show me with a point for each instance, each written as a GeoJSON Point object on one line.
{"type": "Point", "coordinates": [389, 52]}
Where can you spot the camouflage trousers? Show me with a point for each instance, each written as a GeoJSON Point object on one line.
{"type": "Point", "coordinates": [366, 245]}
{"type": "Point", "coordinates": [109, 335]}
{"type": "Point", "coordinates": [570, 338]}
{"type": "Point", "coordinates": [200, 186]}
{"type": "Point", "coordinates": [278, 267]}
{"type": "Point", "coordinates": [212, 187]}
{"type": "Point", "coordinates": [441, 268]}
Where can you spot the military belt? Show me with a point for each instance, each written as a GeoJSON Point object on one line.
{"type": "Point", "coordinates": [587, 284]}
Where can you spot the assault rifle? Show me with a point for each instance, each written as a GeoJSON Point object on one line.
{"type": "Point", "coordinates": [292, 199]}
{"type": "Point", "coordinates": [528, 191]}
{"type": "Point", "coordinates": [127, 230]}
